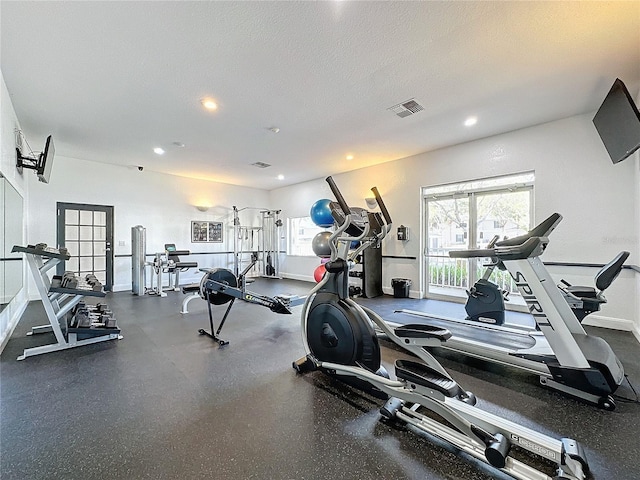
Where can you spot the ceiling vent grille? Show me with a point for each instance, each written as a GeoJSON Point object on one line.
{"type": "Point", "coordinates": [261, 165]}
{"type": "Point", "coordinates": [407, 108]}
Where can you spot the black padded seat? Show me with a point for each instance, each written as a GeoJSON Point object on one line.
{"type": "Point", "coordinates": [582, 291]}
{"type": "Point", "coordinates": [186, 264]}
{"type": "Point", "coordinates": [194, 287]}
{"type": "Point", "coordinates": [603, 279]}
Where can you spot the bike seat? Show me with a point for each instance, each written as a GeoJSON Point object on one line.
{"type": "Point", "coordinates": [194, 287]}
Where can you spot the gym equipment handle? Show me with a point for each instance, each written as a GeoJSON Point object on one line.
{"type": "Point", "coordinates": [336, 192]}
{"type": "Point", "coordinates": [383, 207]}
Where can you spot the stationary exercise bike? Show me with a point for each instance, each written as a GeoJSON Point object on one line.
{"type": "Point", "coordinates": [340, 340]}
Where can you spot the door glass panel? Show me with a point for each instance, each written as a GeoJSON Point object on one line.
{"type": "Point", "coordinates": [71, 232]}
{"type": "Point", "coordinates": [86, 264]}
{"type": "Point", "coordinates": [448, 229]}
{"type": "Point", "coordinates": [102, 276]}
{"type": "Point", "coordinates": [99, 248]}
{"type": "Point", "coordinates": [73, 247]}
{"type": "Point", "coordinates": [72, 217]}
{"type": "Point", "coordinates": [86, 217]}
{"type": "Point", "coordinates": [99, 233]}
{"type": "Point", "coordinates": [86, 233]}
{"type": "Point", "coordinates": [100, 263]}
{"type": "Point", "coordinates": [86, 249]}
{"type": "Point", "coordinates": [73, 264]}
{"type": "Point", "coordinates": [100, 218]}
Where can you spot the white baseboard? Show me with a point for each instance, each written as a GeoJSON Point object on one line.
{"type": "Point", "coordinates": [611, 322]}
{"type": "Point", "coordinates": [293, 276]}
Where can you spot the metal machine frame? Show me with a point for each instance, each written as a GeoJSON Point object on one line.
{"type": "Point", "coordinates": [420, 385]}
{"type": "Point", "coordinates": [560, 351]}
{"type": "Point", "coordinates": [57, 303]}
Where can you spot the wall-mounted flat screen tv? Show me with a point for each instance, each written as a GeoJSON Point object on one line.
{"type": "Point", "coordinates": [618, 123]}
{"type": "Point", "coordinates": [45, 161]}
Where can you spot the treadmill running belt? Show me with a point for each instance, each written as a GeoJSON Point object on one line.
{"type": "Point", "coordinates": [509, 340]}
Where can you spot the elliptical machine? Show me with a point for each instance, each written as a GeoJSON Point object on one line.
{"type": "Point", "coordinates": [340, 340]}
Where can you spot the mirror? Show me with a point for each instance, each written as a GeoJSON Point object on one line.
{"type": "Point", "coordinates": [11, 228]}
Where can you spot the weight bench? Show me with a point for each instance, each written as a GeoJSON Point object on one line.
{"type": "Point", "coordinates": [194, 292]}
{"type": "Point", "coordinates": [175, 265]}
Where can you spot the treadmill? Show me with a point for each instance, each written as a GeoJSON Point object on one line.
{"type": "Point", "coordinates": [559, 350]}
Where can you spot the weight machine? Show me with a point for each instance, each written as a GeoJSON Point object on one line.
{"type": "Point", "coordinates": [261, 242]}
{"type": "Point", "coordinates": [167, 261]}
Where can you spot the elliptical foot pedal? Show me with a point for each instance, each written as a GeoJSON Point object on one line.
{"type": "Point", "coordinates": [415, 330]}
{"type": "Point", "coordinates": [426, 376]}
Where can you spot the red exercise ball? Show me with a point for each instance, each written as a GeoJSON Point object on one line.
{"type": "Point", "coordinates": [319, 272]}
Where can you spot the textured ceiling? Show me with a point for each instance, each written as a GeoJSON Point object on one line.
{"type": "Point", "coordinates": [111, 80]}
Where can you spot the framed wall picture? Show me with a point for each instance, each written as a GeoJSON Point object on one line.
{"type": "Point", "coordinates": [206, 232]}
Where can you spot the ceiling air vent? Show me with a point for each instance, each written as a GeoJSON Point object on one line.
{"type": "Point", "coordinates": [261, 165]}
{"type": "Point", "coordinates": [407, 108]}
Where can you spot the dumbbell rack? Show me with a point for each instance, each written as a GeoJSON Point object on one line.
{"type": "Point", "coordinates": [58, 302]}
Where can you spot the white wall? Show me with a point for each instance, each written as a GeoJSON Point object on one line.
{"type": "Point", "coordinates": [574, 177]}
{"type": "Point", "coordinates": [164, 204]}
{"type": "Point", "coordinates": [637, 202]}
{"type": "Point", "coordinates": [8, 123]}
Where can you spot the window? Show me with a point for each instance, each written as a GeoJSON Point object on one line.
{"type": "Point", "coordinates": [468, 215]}
{"type": "Point", "coordinates": [300, 235]}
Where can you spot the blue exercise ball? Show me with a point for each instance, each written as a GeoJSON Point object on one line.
{"type": "Point", "coordinates": [321, 213]}
{"type": "Point", "coordinates": [320, 244]}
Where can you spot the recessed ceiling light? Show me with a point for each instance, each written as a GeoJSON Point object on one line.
{"type": "Point", "coordinates": [280, 177]}
{"type": "Point", "coordinates": [179, 144]}
{"type": "Point", "coordinates": [470, 121]}
{"type": "Point", "coordinates": [274, 129]}
{"type": "Point", "coordinates": [209, 103]}
{"type": "Point", "coordinates": [158, 150]}
{"type": "Point", "coordinates": [349, 157]}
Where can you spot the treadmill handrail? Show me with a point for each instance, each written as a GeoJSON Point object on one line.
{"type": "Point", "coordinates": [531, 247]}
{"type": "Point", "coordinates": [473, 253]}
{"type": "Point", "coordinates": [542, 230]}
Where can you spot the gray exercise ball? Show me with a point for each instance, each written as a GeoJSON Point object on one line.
{"type": "Point", "coordinates": [320, 244]}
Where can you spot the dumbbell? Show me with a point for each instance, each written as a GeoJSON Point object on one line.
{"type": "Point", "coordinates": [82, 318]}
{"type": "Point", "coordinates": [63, 251]}
{"type": "Point", "coordinates": [56, 281]}
{"type": "Point", "coordinates": [40, 246]}
{"type": "Point", "coordinates": [109, 321]}
{"type": "Point", "coordinates": [92, 280]}
{"type": "Point", "coordinates": [79, 306]}
{"type": "Point", "coordinates": [69, 280]}
{"type": "Point", "coordinates": [102, 307]}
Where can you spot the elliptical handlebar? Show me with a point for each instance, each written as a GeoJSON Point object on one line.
{"type": "Point", "coordinates": [338, 195]}
{"type": "Point", "coordinates": [383, 207]}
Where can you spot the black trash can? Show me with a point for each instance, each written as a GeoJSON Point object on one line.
{"type": "Point", "coordinates": [400, 287]}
